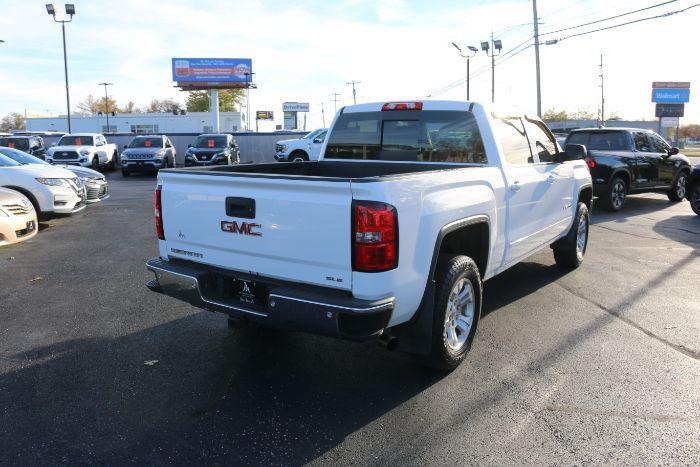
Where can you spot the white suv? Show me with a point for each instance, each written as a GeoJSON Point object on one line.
{"type": "Point", "coordinates": [52, 190]}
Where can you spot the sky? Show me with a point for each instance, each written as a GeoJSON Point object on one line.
{"type": "Point", "coordinates": [305, 50]}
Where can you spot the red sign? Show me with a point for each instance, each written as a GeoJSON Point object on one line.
{"type": "Point", "coordinates": [10, 144]}
{"type": "Point", "coordinates": [670, 85]}
{"type": "Point", "coordinates": [147, 143]}
{"type": "Point", "coordinates": [210, 143]}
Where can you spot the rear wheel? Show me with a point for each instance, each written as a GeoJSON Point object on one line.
{"type": "Point", "coordinates": [616, 195]}
{"type": "Point", "coordinates": [113, 161]}
{"type": "Point", "coordinates": [677, 191]}
{"type": "Point", "coordinates": [95, 163]}
{"type": "Point", "coordinates": [569, 253]}
{"type": "Point", "coordinates": [695, 198]}
{"type": "Point", "coordinates": [457, 311]}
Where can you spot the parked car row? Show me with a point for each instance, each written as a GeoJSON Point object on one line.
{"type": "Point", "coordinates": [32, 189]}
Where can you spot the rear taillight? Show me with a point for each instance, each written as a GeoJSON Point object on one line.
{"type": "Point", "coordinates": [159, 215]}
{"type": "Point", "coordinates": [589, 160]}
{"type": "Point", "coordinates": [375, 236]}
{"type": "Point", "coordinates": [402, 106]}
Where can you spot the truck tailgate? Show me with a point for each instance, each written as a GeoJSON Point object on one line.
{"type": "Point", "coordinates": [299, 230]}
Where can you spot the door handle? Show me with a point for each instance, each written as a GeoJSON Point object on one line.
{"type": "Point", "coordinates": [515, 186]}
{"type": "Point", "coordinates": [551, 179]}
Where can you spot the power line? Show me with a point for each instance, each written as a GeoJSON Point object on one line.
{"type": "Point", "coordinates": [609, 18]}
{"type": "Point", "coordinates": [663, 15]}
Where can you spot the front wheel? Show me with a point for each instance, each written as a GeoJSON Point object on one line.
{"type": "Point", "coordinates": [570, 250]}
{"type": "Point", "coordinates": [113, 161]}
{"type": "Point", "coordinates": [95, 163]}
{"type": "Point", "coordinates": [695, 198]}
{"type": "Point", "coordinates": [677, 191]}
{"type": "Point", "coordinates": [457, 311]}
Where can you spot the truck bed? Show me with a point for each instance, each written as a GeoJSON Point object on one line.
{"type": "Point", "coordinates": [323, 170]}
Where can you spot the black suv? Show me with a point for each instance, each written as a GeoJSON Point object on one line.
{"type": "Point", "coordinates": [213, 149]}
{"type": "Point", "coordinates": [33, 145]}
{"type": "Point", "coordinates": [630, 160]}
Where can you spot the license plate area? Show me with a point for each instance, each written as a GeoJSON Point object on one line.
{"type": "Point", "coordinates": [247, 291]}
{"type": "Point", "coordinates": [31, 226]}
{"type": "Point", "coordinates": [234, 291]}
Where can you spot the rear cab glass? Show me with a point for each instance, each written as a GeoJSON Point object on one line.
{"type": "Point", "coordinates": [76, 141]}
{"type": "Point", "coordinates": [17, 143]}
{"type": "Point", "coordinates": [601, 140]}
{"type": "Point", "coordinates": [412, 136]}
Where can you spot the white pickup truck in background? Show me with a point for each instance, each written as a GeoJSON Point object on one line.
{"type": "Point", "coordinates": [306, 148]}
{"type": "Point", "coordinates": [390, 235]}
{"type": "Point", "coordinates": [84, 149]}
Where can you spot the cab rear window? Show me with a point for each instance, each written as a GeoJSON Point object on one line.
{"type": "Point", "coordinates": [600, 140]}
{"type": "Point", "coordinates": [420, 136]}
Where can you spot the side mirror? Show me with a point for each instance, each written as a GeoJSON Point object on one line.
{"type": "Point", "coordinates": [55, 143]}
{"type": "Point", "coordinates": [318, 140]}
{"type": "Point", "coordinates": [574, 152]}
{"type": "Point", "coordinates": [673, 151]}
{"type": "Point", "coordinates": [126, 146]}
{"type": "Point", "coordinates": [189, 145]}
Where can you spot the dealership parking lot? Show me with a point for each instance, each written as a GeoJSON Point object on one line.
{"type": "Point", "coordinates": [597, 365]}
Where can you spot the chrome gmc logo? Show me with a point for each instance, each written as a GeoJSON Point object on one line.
{"type": "Point", "coordinates": [243, 228]}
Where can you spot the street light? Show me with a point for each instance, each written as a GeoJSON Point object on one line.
{"type": "Point", "coordinates": [495, 46]}
{"type": "Point", "coordinates": [473, 51]}
{"type": "Point", "coordinates": [106, 102]}
{"type": "Point", "coordinates": [70, 11]}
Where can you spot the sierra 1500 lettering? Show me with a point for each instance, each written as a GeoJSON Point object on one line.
{"type": "Point", "coordinates": [389, 236]}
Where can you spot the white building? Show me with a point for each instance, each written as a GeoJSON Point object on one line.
{"type": "Point", "coordinates": [145, 123]}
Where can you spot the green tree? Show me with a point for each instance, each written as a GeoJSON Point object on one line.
{"type": "Point", "coordinates": [12, 121]}
{"type": "Point", "coordinates": [553, 115]}
{"type": "Point", "coordinates": [229, 100]}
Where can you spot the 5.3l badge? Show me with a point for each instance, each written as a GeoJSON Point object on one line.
{"type": "Point", "coordinates": [242, 228]}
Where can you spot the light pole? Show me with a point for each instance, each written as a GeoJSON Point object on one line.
{"type": "Point", "coordinates": [106, 102]}
{"type": "Point", "coordinates": [70, 11]}
{"type": "Point", "coordinates": [249, 79]}
{"type": "Point", "coordinates": [495, 47]}
{"type": "Point", "coordinates": [473, 51]}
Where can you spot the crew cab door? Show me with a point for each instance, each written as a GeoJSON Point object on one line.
{"type": "Point", "coordinates": [557, 180]}
{"type": "Point", "coordinates": [527, 219]}
{"type": "Point", "coordinates": [101, 148]}
{"type": "Point", "coordinates": [646, 162]}
{"type": "Point", "coordinates": [665, 166]}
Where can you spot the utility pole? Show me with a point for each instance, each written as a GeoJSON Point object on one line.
{"type": "Point", "coordinates": [106, 103]}
{"type": "Point", "coordinates": [602, 93]}
{"type": "Point", "coordinates": [323, 115]}
{"type": "Point", "coordinates": [335, 95]}
{"type": "Point", "coordinates": [537, 57]}
{"type": "Point", "coordinates": [354, 96]}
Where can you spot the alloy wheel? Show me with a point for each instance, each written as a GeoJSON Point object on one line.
{"type": "Point", "coordinates": [581, 237]}
{"type": "Point", "coordinates": [459, 316]}
{"type": "Point", "coordinates": [618, 194]}
{"type": "Point", "coordinates": [680, 186]}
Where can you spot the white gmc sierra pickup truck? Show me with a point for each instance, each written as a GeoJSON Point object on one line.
{"type": "Point", "coordinates": [390, 235]}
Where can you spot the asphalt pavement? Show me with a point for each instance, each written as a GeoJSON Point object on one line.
{"type": "Point", "coordinates": [598, 365]}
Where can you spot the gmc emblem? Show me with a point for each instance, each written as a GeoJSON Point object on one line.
{"type": "Point", "coordinates": [244, 228]}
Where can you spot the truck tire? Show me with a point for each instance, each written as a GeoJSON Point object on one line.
{"type": "Point", "coordinates": [677, 191]}
{"type": "Point", "coordinates": [113, 161]}
{"type": "Point", "coordinates": [695, 198]}
{"type": "Point", "coordinates": [570, 250]}
{"type": "Point", "coordinates": [298, 156]}
{"type": "Point", "coordinates": [616, 195]}
{"type": "Point", "coordinates": [95, 163]}
{"type": "Point", "coordinates": [457, 311]}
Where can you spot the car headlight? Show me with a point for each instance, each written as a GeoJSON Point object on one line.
{"type": "Point", "coordinates": [124, 157]}
{"type": "Point", "coordinates": [53, 181]}
{"type": "Point", "coordinates": [85, 152]}
{"type": "Point", "coordinates": [3, 213]}
{"type": "Point", "coordinates": [283, 148]}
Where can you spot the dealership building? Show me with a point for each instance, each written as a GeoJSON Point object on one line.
{"type": "Point", "coordinates": [143, 123]}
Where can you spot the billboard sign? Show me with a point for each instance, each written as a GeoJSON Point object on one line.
{"type": "Point", "coordinates": [670, 96]}
{"type": "Point", "coordinates": [290, 120]}
{"type": "Point", "coordinates": [212, 70]}
{"type": "Point", "coordinates": [670, 122]}
{"type": "Point", "coordinates": [670, 85]}
{"type": "Point", "coordinates": [670, 110]}
{"type": "Point", "coordinates": [295, 106]}
{"type": "Point", "coordinates": [264, 115]}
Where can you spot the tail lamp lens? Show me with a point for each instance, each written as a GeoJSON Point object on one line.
{"type": "Point", "coordinates": [375, 237]}
{"type": "Point", "coordinates": [159, 215]}
{"type": "Point", "coordinates": [402, 106]}
{"type": "Point", "coordinates": [589, 160]}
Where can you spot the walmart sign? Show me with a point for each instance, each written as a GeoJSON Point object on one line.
{"type": "Point", "coordinates": [670, 96]}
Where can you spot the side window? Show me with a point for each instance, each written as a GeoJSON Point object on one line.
{"type": "Point", "coordinates": [516, 147]}
{"type": "Point", "coordinates": [99, 141]}
{"type": "Point", "coordinates": [641, 142]}
{"type": "Point", "coordinates": [658, 144]}
{"type": "Point", "coordinates": [167, 143]}
{"type": "Point", "coordinates": [541, 142]}
{"type": "Point", "coordinates": [321, 136]}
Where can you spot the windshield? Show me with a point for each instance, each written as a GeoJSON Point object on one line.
{"type": "Point", "coordinates": [205, 142]}
{"type": "Point", "coordinates": [143, 142]}
{"type": "Point", "coordinates": [7, 162]}
{"type": "Point", "coordinates": [21, 157]}
{"type": "Point", "coordinates": [312, 134]}
{"type": "Point", "coordinates": [75, 141]}
{"type": "Point", "coordinates": [601, 140]}
{"type": "Point", "coordinates": [421, 136]}
{"type": "Point", "coordinates": [19, 143]}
